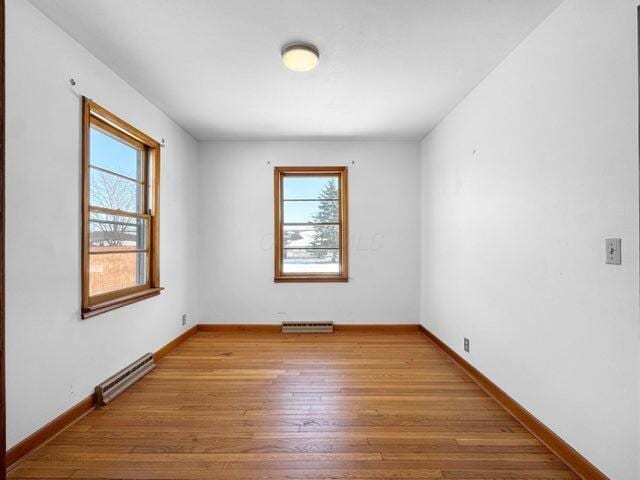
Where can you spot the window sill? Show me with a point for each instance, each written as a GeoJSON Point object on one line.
{"type": "Point", "coordinates": [98, 308]}
{"type": "Point", "coordinates": [309, 279]}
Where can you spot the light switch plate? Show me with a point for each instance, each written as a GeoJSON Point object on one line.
{"type": "Point", "coordinates": [614, 252]}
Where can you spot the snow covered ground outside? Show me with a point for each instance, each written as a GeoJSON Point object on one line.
{"type": "Point", "coordinates": [311, 268]}
{"type": "Point", "coordinates": [310, 264]}
{"type": "Point", "coordinates": [304, 242]}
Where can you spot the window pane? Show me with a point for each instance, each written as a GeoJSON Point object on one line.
{"type": "Point", "coordinates": [113, 154]}
{"type": "Point", "coordinates": [310, 212]}
{"type": "Point", "coordinates": [308, 187]}
{"type": "Point", "coordinates": [110, 232]}
{"type": "Point", "coordinates": [116, 193]}
{"type": "Point", "coordinates": [311, 261]}
{"type": "Point", "coordinates": [311, 236]}
{"type": "Point", "coordinates": [115, 271]}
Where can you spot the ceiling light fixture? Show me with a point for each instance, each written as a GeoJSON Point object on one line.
{"type": "Point", "coordinates": [300, 57]}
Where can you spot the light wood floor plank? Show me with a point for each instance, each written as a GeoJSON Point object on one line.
{"type": "Point", "coordinates": [351, 405]}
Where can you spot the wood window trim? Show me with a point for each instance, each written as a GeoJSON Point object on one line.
{"type": "Point", "coordinates": [121, 301]}
{"type": "Point", "coordinates": [94, 114]}
{"type": "Point", "coordinates": [278, 175]}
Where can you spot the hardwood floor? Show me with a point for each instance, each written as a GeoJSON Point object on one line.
{"type": "Point", "coordinates": [265, 405]}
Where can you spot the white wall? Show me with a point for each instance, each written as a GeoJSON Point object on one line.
{"type": "Point", "coordinates": [54, 358]}
{"type": "Point", "coordinates": [521, 184]}
{"type": "Point", "coordinates": [235, 236]}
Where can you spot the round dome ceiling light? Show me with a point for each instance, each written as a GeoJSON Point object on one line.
{"type": "Point", "coordinates": [300, 57]}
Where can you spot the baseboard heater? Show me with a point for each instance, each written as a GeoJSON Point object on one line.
{"type": "Point", "coordinates": [118, 383]}
{"type": "Point", "coordinates": [307, 327]}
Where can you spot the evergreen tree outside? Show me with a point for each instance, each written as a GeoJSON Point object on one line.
{"type": "Point", "coordinates": [325, 236]}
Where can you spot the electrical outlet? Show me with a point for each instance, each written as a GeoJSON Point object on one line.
{"type": "Point", "coordinates": [466, 345]}
{"type": "Point", "coordinates": [184, 319]}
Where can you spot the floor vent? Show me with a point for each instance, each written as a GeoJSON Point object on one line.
{"type": "Point", "coordinates": [115, 385]}
{"type": "Point", "coordinates": [307, 327]}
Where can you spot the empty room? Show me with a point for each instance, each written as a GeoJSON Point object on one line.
{"type": "Point", "coordinates": [320, 239]}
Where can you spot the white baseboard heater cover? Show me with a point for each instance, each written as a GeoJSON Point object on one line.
{"type": "Point", "coordinates": [307, 327]}
{"type": "Point", "coordinates": [118, 383]}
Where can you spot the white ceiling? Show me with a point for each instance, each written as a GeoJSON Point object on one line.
{"type": "Point", "coordinates": [389, 69]}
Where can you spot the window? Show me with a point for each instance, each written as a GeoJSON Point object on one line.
{"type": "Point", "coordinates": [311, 224]}
{"type": "Point", "coordinates": [120, 214]}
